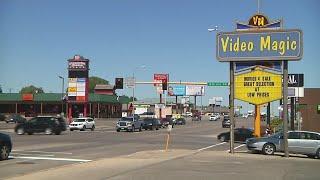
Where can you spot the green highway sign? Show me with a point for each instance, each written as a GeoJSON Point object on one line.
{"type": "Point", "coordinates": [218, 84]}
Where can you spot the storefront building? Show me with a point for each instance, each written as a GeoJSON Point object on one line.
{"type": "Point", "coordinates": [99, 105]}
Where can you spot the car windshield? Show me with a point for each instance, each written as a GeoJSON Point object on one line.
{"type": "Point", "coordinates": [126, 119]}
{"type": "Point", "coordinates": [79, 120]}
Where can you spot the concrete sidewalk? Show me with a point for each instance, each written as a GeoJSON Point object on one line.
{"type": "Point", "coordinates": [186, 164]}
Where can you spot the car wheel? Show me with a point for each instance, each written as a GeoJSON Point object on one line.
{"type": "Point", "coordinates": [140, 129]}
{"type": "Point", "coordinates": [318, 153]}
{"type": "Point", "coordinates": [223, 138]}
{"type": "Point", "coordinates": [57, 133]}
{"type": "Point", "coordinates": [118, 130]}
{"type": "Point", "coordinates": [20, 131]}
{"type": "Point", "coordinates": [30, 133]}
{"type": "Point", "coordinates": [268, 149]}
{"type": "Point", "coordinates": [48, 131]}
{"type": "Point", "coordinates": [71, 129]}
{"type": "Point", "coordinates": [93, 127]}
{"type": "Point", "coordinates": [157, 128]}
{"type": "Point", "coordinates": [4, 152]}
{"type": "Point", "coordinates": [311, 156]}
{"type": "Point", "coordinates": [84, 128]}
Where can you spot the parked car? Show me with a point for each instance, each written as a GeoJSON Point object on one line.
{"type": "Point", "coordinates": [15, 118]}
{"type": "Point", "coordinates": [46, 124]}
{"type": "Point", "coordinates": [129, 124]}
{"type": "Point", "coordinates": [2, 117]}
{"type": "Point", "coordinates": [181, 121]}
{"type": "Point", "coordinates": [299, 142]}
{"type": "Point", "coordinates": [5, 146]}
{"type": "Point", "coordinates": [187, 114]}
{"type": "Point", "coordinates": [151, 123]}
{"type": "Point", "coordinates": [240, 135]}
{"type": "Point", "coordinates": [82, 124]}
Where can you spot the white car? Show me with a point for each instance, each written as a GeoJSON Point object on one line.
{"type": "Point", "coordinates": [82, 124]}
{"type": "Point", "coordinates": [213, 118]}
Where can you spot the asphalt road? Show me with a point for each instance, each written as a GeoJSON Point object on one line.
{"type": "Point", "coordinates": [35, 153]}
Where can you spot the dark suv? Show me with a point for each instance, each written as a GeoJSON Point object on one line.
{"type": "Point", "coordinates": [46, 124]}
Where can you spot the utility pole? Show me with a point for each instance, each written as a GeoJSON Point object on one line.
{"type": "Point", "coordinates": [231, 104]}
{"type": "Point", "coordinates": [285, 108]}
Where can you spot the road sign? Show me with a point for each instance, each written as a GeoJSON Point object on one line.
{"type": "Point", "coordinates": [218, 84]}
{"type": "Point", "coordinates": [259, 45]}
{"type": "Point", "coordinates": [258, 87]}
{"type": "Point", "coordinates": [130, 82]}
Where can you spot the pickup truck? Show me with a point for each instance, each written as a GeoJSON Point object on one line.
{"type": "Point", "coordinates": [129, 124]}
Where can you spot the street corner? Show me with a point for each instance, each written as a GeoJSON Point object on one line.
{"type": "Point", "coordinates": [161, 154]}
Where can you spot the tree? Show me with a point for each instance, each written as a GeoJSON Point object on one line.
{"type": "Point", "coordinates": [0, 89]}
{"type": "Point", "coordinates": [31, 90]}
{"type": "Point", "coordinates": [93, 81]}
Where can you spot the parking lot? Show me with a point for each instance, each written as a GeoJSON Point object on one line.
{"type": "Point", "coordinates": [34, 153]}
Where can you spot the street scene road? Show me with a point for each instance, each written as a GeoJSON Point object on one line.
{"type": "Point", "coordinates": [135, 155]}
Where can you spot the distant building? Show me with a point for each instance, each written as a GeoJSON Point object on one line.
{"type": "Point", "coordinates": [308, 107]}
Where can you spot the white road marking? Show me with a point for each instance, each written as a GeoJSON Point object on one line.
{"type": "Point", "coordinates": [49, 158]}
{"type": "Point", "coordinates": [214, 145]}
{"type": "Point", "coordinates": [237, 147]}
{"type": "Point", "coordinates": [44, 152]}
{"type": "Point", "coordinates": [22, 154]}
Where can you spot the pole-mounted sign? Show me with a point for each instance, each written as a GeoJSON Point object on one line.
{"type": "Point", "coordinates": [259, 45]}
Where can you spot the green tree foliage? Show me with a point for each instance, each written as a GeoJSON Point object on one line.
{"type": "Point", "coordinates": [93, 81]}
{"type": "Point", "coordinates": [31, 89]}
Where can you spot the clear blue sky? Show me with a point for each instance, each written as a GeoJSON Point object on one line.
{"type": "Point", "coordinates": [118, 36]}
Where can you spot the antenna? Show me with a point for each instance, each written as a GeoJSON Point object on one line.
{"type": "Point", "coordinates": [258, 6]}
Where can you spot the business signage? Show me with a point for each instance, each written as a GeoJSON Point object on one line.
{"type": "Point", "coordinates": [162, 78]}
{"type": "Point", "coordinates": [177, 90]}
{"type": "Point", "coordinates": [258, 87]}
{"type": "Point", "coordinates": [77, 89]}
{"type": "Point", "coordinates": [295, 92]}
{"type": "Point", "coordinates": [27, 97]}
{"type": "Point", "coordinates": [259, 45]}
{"type": "Point", "coordinates": [130, 82]}
{"type": "Point", "coordinates": [271, 65]}
{"type": "Point", "coordinates": [195, 90]}
{"type": "Point", "coordinates": [295, 80]}
{"type": "Point", "coordinates": [258, 21]}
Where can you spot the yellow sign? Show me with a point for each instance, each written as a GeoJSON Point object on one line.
{"type": "Point", "coordinates": [258, 87]}
{"type": "Point", "coordinates": [72, 89]}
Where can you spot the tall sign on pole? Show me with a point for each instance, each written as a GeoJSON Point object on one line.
{"type": "Point", "coordinates": [256, 48]}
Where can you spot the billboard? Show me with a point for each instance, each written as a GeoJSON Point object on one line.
{"type": "Point", "coordinates": [259, 45]}
{"type": "Point", "coordinates": [195, 90]}
{"type": "Point", "coordinates": [177, 90]}
{"type": "Point", "coordinates": [258, 87]}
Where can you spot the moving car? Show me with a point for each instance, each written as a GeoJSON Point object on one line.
{"type": "Point", "coordinates": [213, 117]}
{"type": "Point", "coordinates": [299, 142]}
{"type": "Point", "coordinates": [5, 146]}
{"type": "Point", "coordinates": [166, 121]}
{"type": "Point", "coordinates": [226, 122]}
{"type": "Point", "coordinates": [187, 114]}
{"type": "Point", "coordinates": [15, 118]}
{"type": "Point", "coordinates": [240, 135]}
{"type": "Point", "coordinates": [82, 124]}
{"type": "Point", "coordinates": [151, 123]}
{"type": "Point", "coordinates": [129, 124]}
{"type": "Point", "coordinates": [180, 121]}
{"type": "Point", "coordinates": [46, 124]}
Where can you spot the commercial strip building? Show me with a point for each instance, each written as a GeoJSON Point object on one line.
{"type": "Point", "coordinates": [99, 105]}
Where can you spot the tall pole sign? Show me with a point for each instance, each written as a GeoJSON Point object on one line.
{"type": "Point", "coordinates": [255, 51]}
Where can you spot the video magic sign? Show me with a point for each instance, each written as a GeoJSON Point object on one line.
{"type": "Point", "coordinates": [259, 45]}
{"type": "Point", "coordinates": [258, 87]}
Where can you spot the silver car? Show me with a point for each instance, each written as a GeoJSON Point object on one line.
{"type": "Point", "coordinates": [299, 142]}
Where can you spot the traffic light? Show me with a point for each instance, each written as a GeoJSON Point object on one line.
{"type": "Point", "coordinates": [164, 85]}
{"type": "Point", "coordinates": [119, 83]}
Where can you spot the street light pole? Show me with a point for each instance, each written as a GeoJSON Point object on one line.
{"type": "Point", "coordinates": [62, 93]}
